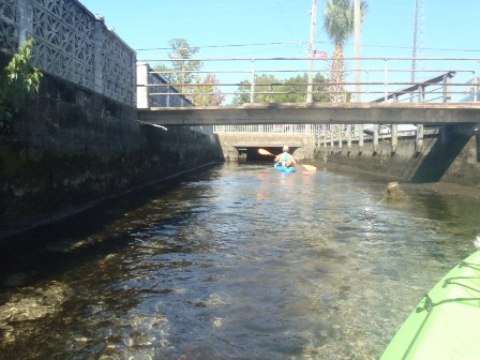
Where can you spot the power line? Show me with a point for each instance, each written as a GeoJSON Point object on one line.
{"type": "Point", "coordinates": [230, 45]}
{"type": "Point", "coordinates": [303, 43]}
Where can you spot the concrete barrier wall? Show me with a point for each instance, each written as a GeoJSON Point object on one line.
{"type": "Point", "coordinates": [72, 44]}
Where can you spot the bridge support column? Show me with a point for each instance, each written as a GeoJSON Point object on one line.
{"type": "Point", "coordinates": [394, 134]}
{"type": "Point", "coordinates": [419, 138]}
{"type": "Point", "coordinates": [325, 132]}
{"type": "Point", "coordinates": [349, 137]}
{"type": "Point", "coordinates": [360, 139]}
{"type": "Point", "coordinates": [375, 138]}
{"type": "Point", "coordinates": [332, 144]}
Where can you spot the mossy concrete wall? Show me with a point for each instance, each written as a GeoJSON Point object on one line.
{"type": "Point", "coordinates": [70, 148]}
{"type": "Point", "coordinates": [451, 160]}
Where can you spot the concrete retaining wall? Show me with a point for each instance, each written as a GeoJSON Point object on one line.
{"type": "Point", "coordinates": [72, 148]}
{"type": "Point", "coordinates": [78, 142]}
{"type": "Point", "coordinates": [452, 161]}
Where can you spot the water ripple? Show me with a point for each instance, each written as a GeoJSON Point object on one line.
{"type": "Point", "coordinates": [242, 263]}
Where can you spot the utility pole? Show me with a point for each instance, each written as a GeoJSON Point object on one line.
{"type": "Point", "coordinates": [358, 49]}
{"type": "Point", "coordinates": [419, 132]}
{"type": "Point", "coordinates": [313, 26]}
{"type": "Point", "coordinates": [415, 39]}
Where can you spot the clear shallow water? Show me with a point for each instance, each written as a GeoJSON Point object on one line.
{"type": "Point", "coordinates": [241, 262]}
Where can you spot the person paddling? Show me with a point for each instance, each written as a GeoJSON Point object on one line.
{"type": "Point", "coordinates": [285, 158]}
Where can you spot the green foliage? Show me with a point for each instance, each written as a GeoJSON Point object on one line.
{"type": "Point", "coordinates": [17, 81]}
{"type": "Point", "coordinates": [182, 69]}
{"type": "Point", "coordinates": [339, 23]}
{"type": "Point", "coordinates": [339, 19]}
{"type": "Point", "coordinates": [207, 93]}
{"type": "Point", "coordinates": [269, 89]}
{"type": "Point", "coordinates": [182, 75]}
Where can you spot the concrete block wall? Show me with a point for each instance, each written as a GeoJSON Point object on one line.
{"type": "Point", "coordinates": [70, 43]}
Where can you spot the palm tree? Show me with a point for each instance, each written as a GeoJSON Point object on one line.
{"type": "Point", "coordinates": [339, 25]}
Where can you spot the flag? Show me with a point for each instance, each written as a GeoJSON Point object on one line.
{"type": "Point", "coordinates": [318, 54]}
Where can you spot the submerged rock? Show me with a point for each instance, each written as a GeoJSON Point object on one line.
{"type": "Point", "coordinates": [394, 192]}
{"type": "Point", "coordinates": [33, 303]}
{"type": "Point", "coordinates": [30, 304]}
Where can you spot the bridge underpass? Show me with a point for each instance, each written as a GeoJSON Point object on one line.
{"type": "Point", "coordinates": [445, 119]}
{"type": "Point", "coordinates": [243, 146]}
{"type": "Point", "coordinates": [251, 154]}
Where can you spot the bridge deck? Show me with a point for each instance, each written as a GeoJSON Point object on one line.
{"type": "Point", "coordinates": [317, 113]}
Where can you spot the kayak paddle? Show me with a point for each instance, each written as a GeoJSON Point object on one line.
{"type": "Point", "coordinates": [309, 167]}
{"type": "Point", "coordinates": [265, 152]}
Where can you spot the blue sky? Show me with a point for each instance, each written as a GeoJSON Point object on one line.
{"type": "Point", "coordinates": [446, 28]}
{"type": "Point", "coordinates": [388, 27]}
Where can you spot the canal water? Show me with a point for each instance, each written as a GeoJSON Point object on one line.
{"type": "Point", "coordinates": [239, 262]}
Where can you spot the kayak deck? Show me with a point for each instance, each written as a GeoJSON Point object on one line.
{"type": "Point", "coordinates": [446, 322]}
{"type": "Point", "coordinates": [285, 169]}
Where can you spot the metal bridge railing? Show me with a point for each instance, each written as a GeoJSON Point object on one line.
{"type": "Point", "coordinates": [265, 80]}
{"type": "Point", "coordinates": [269, 129]}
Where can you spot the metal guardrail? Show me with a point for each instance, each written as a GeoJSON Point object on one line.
{"type": "Point", "coordinates": [269, 129]}
{"type": "Point", "coordinates": [386, 78]}
{"type": "Point", "coordinates": [382, 80]}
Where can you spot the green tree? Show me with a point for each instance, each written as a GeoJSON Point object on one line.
{"type": "Point", "coordinates": [339, 25]}
{"type": "Point", "coordinates": [263, 84]}
{"type": "Point", "coordinates": [206, 93]}
{"type": "Point", "coordinates": [183, 68]}
{"type": "Point", "coordinates": [269, 89]}
{"type": "Point", "coordinates": [296, 88]}
{"type": "Point", "coordinates": [17, 81]}
{"type": "Point", "coordinates": [242, 94]}
{"type": "Point", "coordinates": [183, 74]}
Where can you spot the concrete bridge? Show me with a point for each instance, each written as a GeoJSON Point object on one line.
{"type": "Point", "coordinates": [447, 118]}
{"type": "Point", "coordinates": [318, 113]}
{"type": "Point", "coordinates": [438, 106]}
